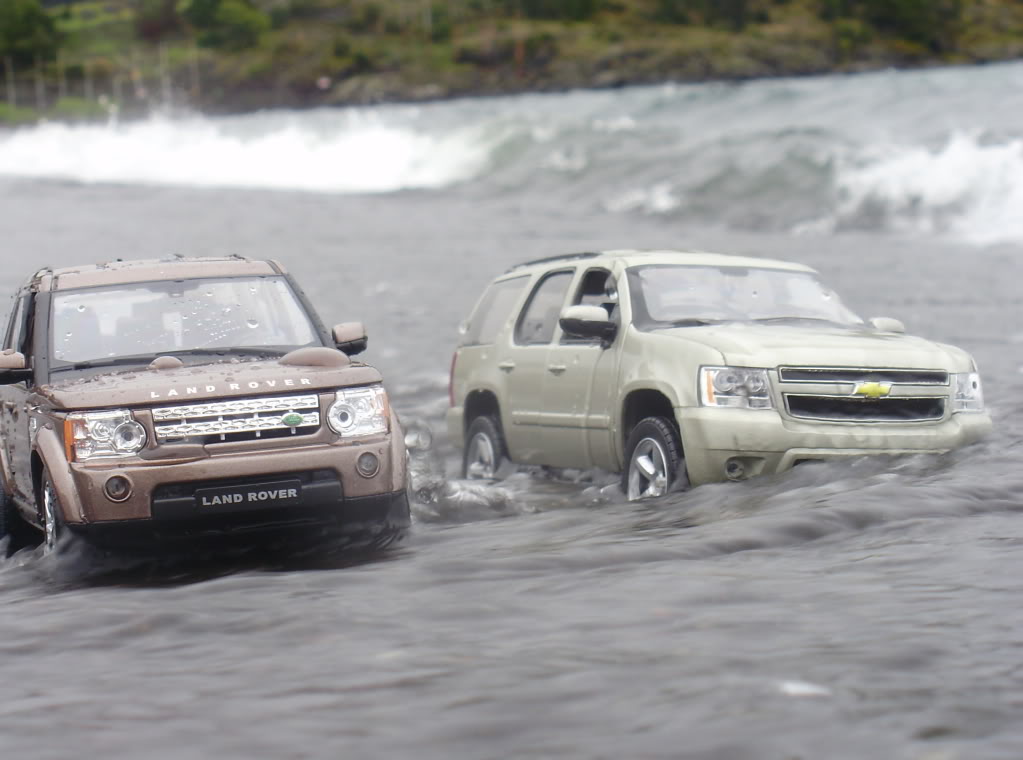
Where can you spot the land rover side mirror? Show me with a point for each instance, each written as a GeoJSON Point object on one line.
{"type": "Point", "coordinates": [350, 337]}
{"type": "Point", "coordinates": [887, 324]}
{"type": "Point", "coordinates": [584, 321]}
{"type": "Point", "coordinates": [12, 367]}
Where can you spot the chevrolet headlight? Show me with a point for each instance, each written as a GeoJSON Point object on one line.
{"type": "Point", "coordinates": [737, 387]}
{"type": "Point", "coordinates": [103, 435]}
{"type": "Point", "coordinates": [359, 411]}
{"type": "Point", "coordinates": [967, 395]}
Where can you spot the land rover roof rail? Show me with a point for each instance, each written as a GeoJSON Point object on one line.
{"type": "Point", "coordinates": [552, 259]}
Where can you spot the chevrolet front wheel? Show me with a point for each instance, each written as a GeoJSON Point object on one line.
{"type": "Point", "coordinates": [655, 463]}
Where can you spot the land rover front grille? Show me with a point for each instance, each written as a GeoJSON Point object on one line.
{"type": "Point", "coordinates": [239, 419]}
{"type": "Point", "coordinates": [854, 409]}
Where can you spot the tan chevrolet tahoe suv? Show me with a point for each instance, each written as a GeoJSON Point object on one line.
{"type": "Point", "coordinates": [189, 398]}
{"type": "Point", "coordinates": [677, 369]}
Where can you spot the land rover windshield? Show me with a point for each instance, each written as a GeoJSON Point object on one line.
{"type": "Point", "coordinates": [125, 324]}
{"type": "Point", "coordinates": [680, 296]}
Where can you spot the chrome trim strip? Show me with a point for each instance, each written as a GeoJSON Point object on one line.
{"type": "Point", "coordinates": [825, 375]}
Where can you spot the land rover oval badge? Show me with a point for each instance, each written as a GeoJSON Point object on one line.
{"type": "Point", "coordinates": [292, 419]}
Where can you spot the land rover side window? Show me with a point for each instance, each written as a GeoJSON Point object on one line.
{"type": "Point", "coordinates": [493, 311]}
{"type": "Point", "coordinates": [597, 288]}
{"type": "Point", "coordinates": [15, 337]}
{"type": "Point", "coordinates": [537, 323]}
{"type": "Point", "coordinates": [178, 316]}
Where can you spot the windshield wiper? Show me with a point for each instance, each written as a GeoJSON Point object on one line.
{"type": "Point", "coordinates": [794, 318]}
{"type": "Point", "coordinates": [138, 359]}
{"type": "Point", "coordinates": [112, 361]}
{"type": "Point", "coordinates": [694, 322]}
{"type": "Point", "coordinates": [227, 350]}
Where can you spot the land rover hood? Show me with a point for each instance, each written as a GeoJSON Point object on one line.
{"type": "Point", "coordinates": [758, 345]}
{"type": "Point", "coordinates": [151, 387]}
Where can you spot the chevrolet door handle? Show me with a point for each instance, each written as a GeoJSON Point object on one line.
{"type": "Point", "coordinates": [556, 369]}
{"type": "Point", "coordinates": [506, 366]}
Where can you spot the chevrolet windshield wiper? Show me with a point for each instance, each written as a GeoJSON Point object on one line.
{"type": "Point", "coordinates": [694, 322]}
{"type": "Point", "coordinates": [795, 318]}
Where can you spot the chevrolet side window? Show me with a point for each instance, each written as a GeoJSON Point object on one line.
{"type": "Point", "coordinates": [597, 288]}
{"type": "Point", "coordinates": [540, 317]}
{"type": "Point", "coordinates": [494, 311]}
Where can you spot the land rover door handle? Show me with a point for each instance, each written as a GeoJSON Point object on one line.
{"type": "Point", "coordinates": [506, 366]}
{"type": "Point", "coordinates": [556, 369]}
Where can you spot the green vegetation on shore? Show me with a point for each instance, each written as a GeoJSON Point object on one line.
{"type": "Point", "coordinates": [66, 58]}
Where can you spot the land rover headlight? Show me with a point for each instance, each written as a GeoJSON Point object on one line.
{"type": "Point", "coordinates": [103, 435]}
{"type": "Point", "coordinates": [737, 387]}
{"type": "Point", "coordinates": [967, 394]}
{"type": "Point", "coordinates": [359, 411]}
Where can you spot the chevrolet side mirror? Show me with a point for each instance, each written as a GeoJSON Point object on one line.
{"type": "Point", "coordinates": [12, 367]}
{"type": "Point", "coordinates": [350, 337]}
{"type": "Point", "coordinates": [583, 321]}
{"type": "Point", "coordinates": [887, 324]}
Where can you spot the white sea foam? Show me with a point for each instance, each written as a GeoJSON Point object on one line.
{"type": "Point", "coordinates": [351, 152]}
{"type": "Point", "coordinates": [969, 188]}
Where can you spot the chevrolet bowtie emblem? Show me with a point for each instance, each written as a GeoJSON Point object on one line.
{"type": "Point", "coordinates": [872, 390]}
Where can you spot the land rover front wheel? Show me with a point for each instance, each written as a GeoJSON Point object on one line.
{"type": "Point", "coordinates": [52, 516]}
{"type": "Point", "coordinates": [485, 452]}
{"type": "Point", "coordinates": [654, 461]}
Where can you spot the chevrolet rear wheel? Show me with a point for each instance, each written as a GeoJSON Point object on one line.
{"type": "Point", "coordinates": [655, 461]}
{"type": "Point", "coordinates": [485, 451]}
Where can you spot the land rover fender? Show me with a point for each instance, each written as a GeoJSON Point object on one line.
{"type": "Point", "coordinates": [49, 447]}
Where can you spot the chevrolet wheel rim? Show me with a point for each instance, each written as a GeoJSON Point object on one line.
{"type": "Point", "coordinates": [480, 463]}
{"type": "Point", "coordinates": [648, 470]}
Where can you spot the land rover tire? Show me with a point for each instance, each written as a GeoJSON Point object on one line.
{"type": "Point", "coordinates": [654, 463]}
{"type": "Point", "coordinates": [7, 516]}
{"type": "Point", "coordinates": [485, 451]}
{"type": "Point", "coordinates": [51, 514]}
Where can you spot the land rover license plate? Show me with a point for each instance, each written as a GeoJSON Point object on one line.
{"type": "Point", "coordinates": [279, 493]}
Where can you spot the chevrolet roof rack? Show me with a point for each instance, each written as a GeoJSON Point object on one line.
{"type": "Point", "coordinates": [552, 259]}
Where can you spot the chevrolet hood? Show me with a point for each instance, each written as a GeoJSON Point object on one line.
{"type": "Point", "coordinates": [158, 387]}
{"type": "Point", "coordinates": [757, 345]}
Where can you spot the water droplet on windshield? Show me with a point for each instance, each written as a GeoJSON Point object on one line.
{"type": "Point", "coordinates": [81, 307]}
{"type": "Point", "coordinates": [252, 322]}
{"type": "Point", "coordinates": [209, 294]}
{"type": "Point", "coordinates": [226, 310]}
{"type": "Point", "coordinates": [252, 288]}
{"type": "Point", "coordinates": [67, 335]}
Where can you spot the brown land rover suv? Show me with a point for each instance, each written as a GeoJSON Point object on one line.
{"type": "Point", "coordinates": [148, 401]}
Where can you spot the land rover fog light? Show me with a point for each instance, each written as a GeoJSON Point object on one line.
{"type": "Point", "coordinates": [735, 469]}
{"type": "Point", "coordinates": [117, 488]}
{"type": "Point", "coordinates": [359, 412]}
{"type": "Point", "coordinates": [367, 464]}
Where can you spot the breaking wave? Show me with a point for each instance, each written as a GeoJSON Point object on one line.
{"type": "Point", "coordinates": [934, 153]}
{"type": "Point", "coordinates": [338, 152]}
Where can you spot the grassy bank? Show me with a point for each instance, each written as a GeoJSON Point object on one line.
{"type": "Point", "coordinates": [237, 55]}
